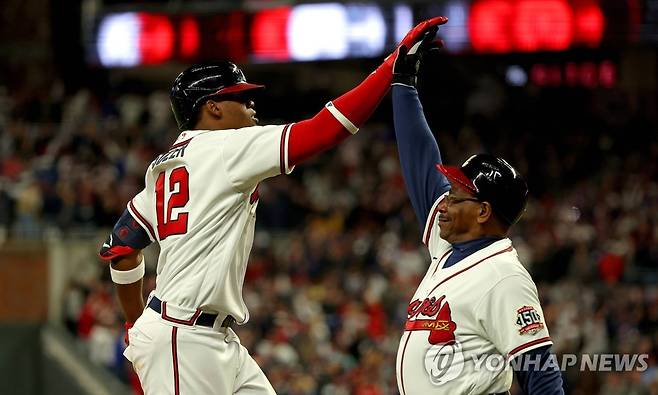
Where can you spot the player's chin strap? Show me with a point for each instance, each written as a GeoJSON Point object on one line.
{"type": "Point", "coordinates": [347, 124]}
{"type": "Point", "coordinates": [128, 276]}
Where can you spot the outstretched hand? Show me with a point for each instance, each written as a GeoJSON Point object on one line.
{"type": "Point", "coordinates": [407, 62]}
{"type": "Point", "coordinates": [416, 35]}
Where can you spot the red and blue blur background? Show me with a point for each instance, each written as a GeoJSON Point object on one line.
{"type": "Point", "coordinates": [566, 90]}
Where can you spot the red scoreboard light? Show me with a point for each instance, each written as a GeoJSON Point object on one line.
{"type": "Point", "coordinates": [269, 35]}
{"type": "Point", "coordinates": [542, 24]}
{"type": "Point", "coordinates": [319, 31]}
{"type": "Point", "coordinates": [489, 26]}
{"type": "Point", "coordinates": [132, 39]}
{"type": "Point", "coordinates": [190, 38]}
{"type": "Point", "coordinates": [534, 25]}
{"type": "Point", "coordinates": [156, 38]}
{"type": "Point", "coordinates": [589, 24]}
{"type": "Point", "coordinates": [225, 36]}
{"type": "Point", "coordinates": [571, 74]}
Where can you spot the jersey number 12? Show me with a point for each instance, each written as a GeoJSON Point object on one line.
{"type": "Point", "coordinates": [177, 185]}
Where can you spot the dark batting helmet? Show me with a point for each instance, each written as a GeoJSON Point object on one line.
{"type": "Point", "coordinates": [201, 82]}
{"type": "Point", "coordinates": [493, 180]}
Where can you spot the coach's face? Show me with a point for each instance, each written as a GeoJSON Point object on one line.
{"type": "Point", "coordinates": [458, 216]}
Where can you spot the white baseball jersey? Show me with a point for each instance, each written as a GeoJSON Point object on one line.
{"type": "Point", "coordinates": [199, 204]}
{"type": "Point", "coordinates": [466, 321]}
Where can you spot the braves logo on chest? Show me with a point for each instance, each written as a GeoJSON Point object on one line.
{"type": "Point", "coordinates": [432, 315]}
{"type": "Point", "coordinates": [442, 359]}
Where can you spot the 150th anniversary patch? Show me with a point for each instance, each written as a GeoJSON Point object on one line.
{"type": "Point", "coordinates": [529, 320]}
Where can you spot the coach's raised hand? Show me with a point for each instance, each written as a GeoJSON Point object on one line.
{"type": "Point", "coordinates": [407, 64]}
{"type": "Point", "coordinates": [344, 115]}
{"type": "Point", "coordinates": [414, 36]}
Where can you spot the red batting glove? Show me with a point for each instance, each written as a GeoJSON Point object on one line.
{"type": "Point", "coordinates": [127, 325]}
{"type": "Point", "coordinates": [415, 35]}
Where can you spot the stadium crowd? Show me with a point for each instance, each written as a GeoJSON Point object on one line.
{"type": "Point", "coordinates": [337, 252]}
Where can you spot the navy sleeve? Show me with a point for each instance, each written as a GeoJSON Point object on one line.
{"type": "Point", "coordinates": [126, 237]}
{"type": "Point", "coordinates": [537, 372]}
{"type": "Point", "coordinates": [419, 152]}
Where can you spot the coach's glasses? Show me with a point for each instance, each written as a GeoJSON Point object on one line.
{"type": "Point", "coordinates": [451, 199]}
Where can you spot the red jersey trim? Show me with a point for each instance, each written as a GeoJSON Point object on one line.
{"type": "Point", "coordinates": [142, 221]}
{"type": "Point", "coordinates": [404, 350]}
{"type": "Point", "coordinates": [522, 347]}
{"type": "Point", "coordinates": [182, 143]}
{"type": "Point", "coordinates": [430, 224]}
{"type": "Point", "coordinates": [189, 322]}
{"type": "Point", "coordinates": [439, 262]}
{"type": "Point", "coordinates": [508, 249]}
{"type": "Point", "coordinates": [174, 356]}
{"type": "Point", "coordinates": [283, 149]}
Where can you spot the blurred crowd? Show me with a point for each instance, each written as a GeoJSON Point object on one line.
{"type": "Point", "coordinates": [337, 253]}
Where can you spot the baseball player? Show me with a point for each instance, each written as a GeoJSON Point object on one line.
{"type": "Point", "coordinates": [475, 317]}
{"type": "Point", "coordinates": [199, 205]}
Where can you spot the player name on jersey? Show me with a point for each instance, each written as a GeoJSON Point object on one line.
{"type": "Point", "coordinates": [176, 151]}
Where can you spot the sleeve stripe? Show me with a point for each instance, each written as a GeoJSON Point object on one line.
{"type": "Point", "coordinates": [538, 342]}
{"type": "Point", "coordinates": [283, 150]}
{"type": "Point", "coordinates": [181, 143]}
{"type": "Point", "coordinates": [347, 124]}
{"type": "Point", "coordinates": [141, 220]}
{"type": "Point", "coordinates": [430, 222]}
{"type": "Point", "coordinates": [287, 160]}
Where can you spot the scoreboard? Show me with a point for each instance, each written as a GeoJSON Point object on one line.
{"type": "Point", "coordinates": [328, 31]}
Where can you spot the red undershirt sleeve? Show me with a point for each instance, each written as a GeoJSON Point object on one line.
{"type": "Point", "coordinates": [340, 118]}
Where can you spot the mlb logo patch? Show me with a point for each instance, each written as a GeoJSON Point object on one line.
{"type": "Point", "coordinates": [529, 320]}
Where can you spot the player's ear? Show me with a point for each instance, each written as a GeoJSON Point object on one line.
{"type": "Point", "coordinates": [485, 212]}
{"type": "Point", "coordinates": [213, 108]}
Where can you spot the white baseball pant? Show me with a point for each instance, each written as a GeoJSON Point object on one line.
{"type": "Point", "coordinates": [174, 358]}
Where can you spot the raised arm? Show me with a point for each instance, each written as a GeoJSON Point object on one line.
{"type": "Point", "coordinates": [343, 116]}
{"type": "Point", "coordinates": [417, 147]}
